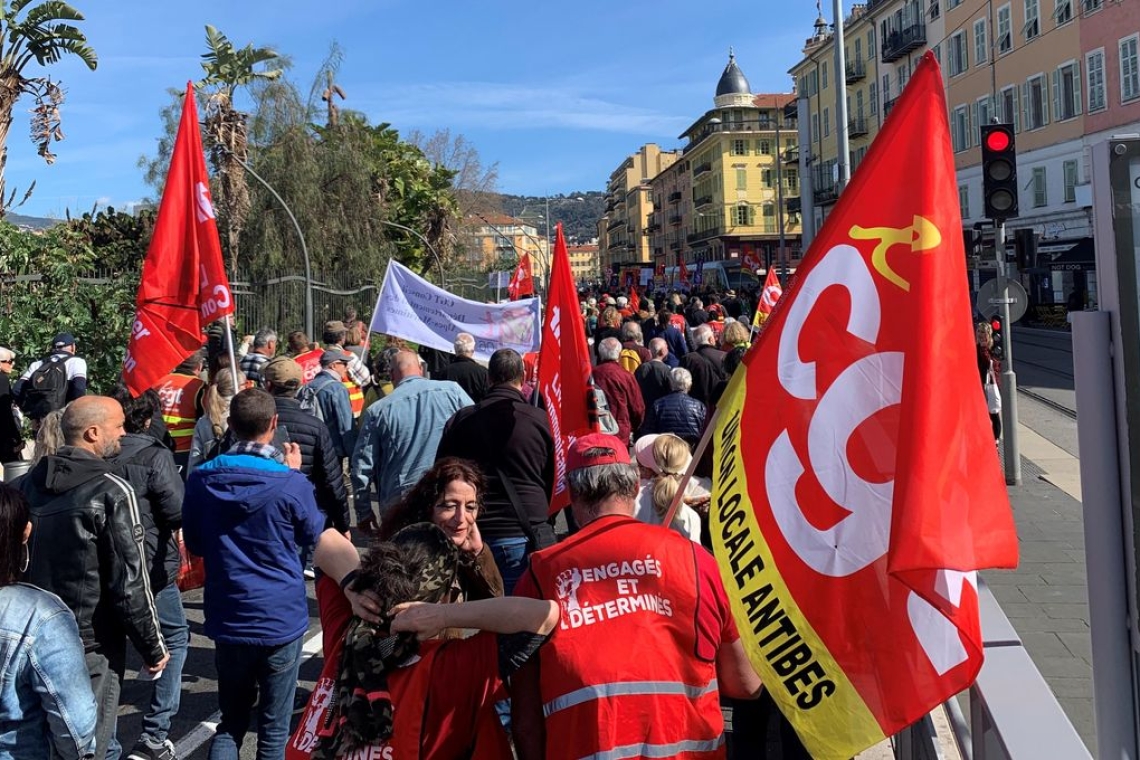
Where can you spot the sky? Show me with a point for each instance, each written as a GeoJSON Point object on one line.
{"type": "Point", "coordinates": [558, 94]}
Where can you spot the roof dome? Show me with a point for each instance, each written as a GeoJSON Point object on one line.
{"type": "Point", "coordinates": [732, 81]}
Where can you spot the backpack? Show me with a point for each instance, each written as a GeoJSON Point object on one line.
{"type": "Point", "coordinates": [598, 411]}
{"type": "Point", "coordinates": [629, 359]}
{"type": "Point", "coordinates": [308, 398]}
{"type": "Point", "coordinates": [46, 388]}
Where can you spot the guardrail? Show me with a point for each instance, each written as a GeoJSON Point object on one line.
{"type": "Point", "coordinates": [1013, 714]}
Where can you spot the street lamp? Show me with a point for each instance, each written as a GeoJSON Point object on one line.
{"type": "Point", "coordinates": [424, 240]}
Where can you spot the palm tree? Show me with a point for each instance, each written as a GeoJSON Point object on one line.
{"type": "Point", "coordinates": [42, 35]}
{"type": "Point", "coordinates": [227, 69]}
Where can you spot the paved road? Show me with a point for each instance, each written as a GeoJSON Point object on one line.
{"type": "Point", "coordinates": [1043, 361]}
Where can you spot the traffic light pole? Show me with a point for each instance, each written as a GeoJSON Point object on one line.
{"type": "Point", "coordinates": [1010, 446]}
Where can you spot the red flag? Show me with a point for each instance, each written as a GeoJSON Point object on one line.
{"type": "Point", "coordinates": [857, 490]}
{"type": "Point", "coordinates": [634, 301]}
{"type": "Point", "coordinates": [184, 285]}
{"type": "Point", "coordinates": [563, 367]}
{"type": "Point", "coordinates": [682, 270]}
{"type": "Point", "coordinates": [771, 293]}
{"type": "Point", "coordinates": [522, 281]}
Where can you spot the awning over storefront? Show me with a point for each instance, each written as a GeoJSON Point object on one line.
{"type": "Point", "coordinates": [1079, 257]}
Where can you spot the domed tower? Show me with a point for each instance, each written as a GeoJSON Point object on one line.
{"type": "Point", "coordinates": [733, 88]}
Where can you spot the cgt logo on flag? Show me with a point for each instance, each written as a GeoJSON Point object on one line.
{"type": "Point", "coordinates": [849, 536]}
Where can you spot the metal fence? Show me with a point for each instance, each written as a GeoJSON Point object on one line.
{"type": "Point", "coordinates": [279, 302]}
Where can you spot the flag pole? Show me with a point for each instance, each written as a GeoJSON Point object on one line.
{"type": "Point", "coordinates": [230, 350]}
{"type": "Point", "coordinates": [698, 452]}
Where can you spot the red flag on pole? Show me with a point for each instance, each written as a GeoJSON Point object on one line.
{"type": "Point", "coordinates": [857, 491]}
{"type": "Point", "coordinates": [768, 297]}
{"type": "Point", "coordinates": [634, 300]}
{"type": "Point", "coordinates": [682, 270]}
{"type": "Point", "coordinates": [522, 281]}
{"type": "Point", "coordinates": [563, 367]}
{"type": "Point", "coordinates": [184, 285]}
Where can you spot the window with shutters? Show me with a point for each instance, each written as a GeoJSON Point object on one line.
{"type": "Point", "coordinates": [871, 43]}
{"type": "Point", "coordinates": [858, 50]}
{"type": "Point", "coordinates": [1129, 74]}
{"type": "Point", "coordinates": [859, 105]}
{"type": "Point", "coordinates": [938, 53]}
{"type": "Point", "coordinates": [886, 87]}
{"type": "Point", "coordinates": [742, 215]}
{"type": "Point", "coordinates": [1062, 11]}
{"type": "Point", "coordinates": [826, 122]}
{"type": "Point", "coordinates": [815, 127]}
{"type": "Point", "coordinates": [960, 129]}
{"type": "Point", "coordinates": [1035, 95]}
{"type": "Point", "coordinates": [740, 147]}
{"type": "Point", "coordinates": [741, 179]}
{"type": "Point", "coordinates": [1032, 26]}
{"type": "Point", "coordinates": [964, 200]}
{"type": "Point", "coordinates": [769, 210]}
{"type": "Point", "coordinates": [823, 73]}
{"type": "Point", "coordinates": [1070, 170]}
{"type": "Point", "coordinates": [1040, 191]}
{"type": "Point", "coordinates": [764, 147]}
{"type": "Point", "coordinates": [1004, 30]}
{"type": "Point", "coordinates": [1094, 71]}
{"type": "Point", "coordinates": [792, 181]}
{"type": "Point", "coordinates": [981, 42]}
{"type": "Point", "coordinates": [983, 115]}
{"type": "Point", "coordinates": [766, 177]}
{"type": "Point", "coordinates": [952, 4]}
{"type": "Point", "coordinates": [873, 97]}
{"type": "Point", "coordinates": [1007, 105]}
{"type": "Point", "coordinates": [1090, 6]}
{"type": "Point", "coordinates": [958, 59]}
{"type": "Point", "coordinates": [1067, 91]}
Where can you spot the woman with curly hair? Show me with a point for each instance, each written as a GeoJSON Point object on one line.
{"type": "Point", "coordinates": [450, 496]}
{"type": "Point", "coordinates": [449, 687]}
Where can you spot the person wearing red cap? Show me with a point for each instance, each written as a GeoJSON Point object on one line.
{"type": "Point", "coordinates": [618, 579]}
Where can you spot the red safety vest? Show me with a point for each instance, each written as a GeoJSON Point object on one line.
{"type": "Point", "coordinates": [310, 362]}
{"type": "Point", "coordinates": [620, 580]}
{"type": "Point", "coordinates": [180, 408]}
{"type": "Point", "coordinates": [678, 321]}
{"type": "Point", "coordinates": [355, 396]}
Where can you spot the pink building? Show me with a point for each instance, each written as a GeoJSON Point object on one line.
{"type": "Point", "coordinates": [1110, 48]}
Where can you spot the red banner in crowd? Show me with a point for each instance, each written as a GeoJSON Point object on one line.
{"type": "Point", "coordinates": [184, 285]}
{"type": "Point", "coordinates": [682, 270]}
{"type": "Point", "coordinates": [857, 490]}
{"type": "Point", "coordinates": [522, 281]}
{"type": "Point", "coordinates": [563, 366]}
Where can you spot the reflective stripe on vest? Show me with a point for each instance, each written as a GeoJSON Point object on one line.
{"type": "Point", "coordinates": [179, 395]}
{"type": "Point", "coordinates": [355, 396]}
{"type": "Point", "coordinates": [631, 688]}
{"type": "Point", "coordinates": [659, 750]}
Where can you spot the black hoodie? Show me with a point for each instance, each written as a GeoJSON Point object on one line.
{"type": "Point", "coordinates": [87, 547]}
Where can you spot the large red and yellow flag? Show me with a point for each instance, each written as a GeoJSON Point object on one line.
{"type": "Point", "coordinates": [857, 490]}
{"type": "Point", "coordinates": [184, 285]}
{"type": "Point", "coordinates": [564, 374]}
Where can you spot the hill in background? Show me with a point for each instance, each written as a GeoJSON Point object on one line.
{"type": "Point", "coordinates": [578, 212]}
{"type": "Point", "coordinates": [31, 222]}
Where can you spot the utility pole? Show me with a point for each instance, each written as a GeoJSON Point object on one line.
{"type": "Point", "coordinates": [841, 99]}
{"type": "Point", "coordinates": [1010, 445]}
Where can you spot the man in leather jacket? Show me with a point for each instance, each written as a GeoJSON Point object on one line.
{"type": "Point", "coordinates": [87, 547]}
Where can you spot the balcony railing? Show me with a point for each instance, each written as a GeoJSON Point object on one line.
{"type": "Point", "coordinates": [675, 219]}
{"type": "Point", "coordinates": [747, 125]}
{"type": "Point", "coordinates": [899, 43]}
{"type": "Point", "coordinates": [615, 224]}
{"type": "Point", "coordinates": [856, 127]}
{"type": "Point", "coordinates": [825, 189]}
{"type": "Point", "coordinates": [791, 155]}
{"type": "Point", "coordinates": [702, 169]}
{"type": "Point", "coordinates": [856, 71]}
{"type": "Point", "coordinates": [888, 105]}
{"type": "Point", "coordinates": [675, 196]}
{"type": "Point", "coordinates": [704, 200]}
{"type": "Point", "coordinates": [705, 235]}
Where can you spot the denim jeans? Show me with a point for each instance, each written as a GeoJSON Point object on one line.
{"type": "Point", "coordinates": [168, 688]}
{"type": "Point", "coordinates": [511, 558]}
{"type": "Point", "coordinates": [106, 684]}
{"type": "Point", "coordinates": [244, 671]}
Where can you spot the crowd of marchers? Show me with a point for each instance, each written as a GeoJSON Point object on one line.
{"type": "Point", "coordinates": [474, 623]}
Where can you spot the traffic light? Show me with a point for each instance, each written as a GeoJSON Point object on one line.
{"type": "Point", "coordinates": [972, 242]}
{"type": "Point", "coordinates": [999, 172]}
{"type": "Point", "coordinates": [1025, 244]}
{"type": "Point", "coordinates": [998, 328]}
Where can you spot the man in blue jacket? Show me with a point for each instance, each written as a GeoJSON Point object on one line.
{"type": "Point", "coordinates": [245, 513]}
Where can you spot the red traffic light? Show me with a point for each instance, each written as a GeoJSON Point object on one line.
{"type": "Point", "coordinates": [996, 325]}
{"type": "Point", "coordinates": [997, 140]}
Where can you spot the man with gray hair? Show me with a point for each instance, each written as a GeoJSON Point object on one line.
{"type": "Point", "coordinates": [678, 412]}
{"type": "Point", "coordinates": [706, 365]}
{"type": "Point", "coordinates": [621, 580]}
{"type": "Point", "coordinates": [464, 370]}
{"type": "Point", "coordinates": [264, 348]}
{"type": "Point", "coordinates": [622, 392]}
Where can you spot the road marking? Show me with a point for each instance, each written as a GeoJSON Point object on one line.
{"type": "Point", "coordinates": [201, 733]}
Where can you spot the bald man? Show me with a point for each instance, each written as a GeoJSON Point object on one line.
{"type": "Point", "coordinates": [399, 435]}
{"type": "Point", "coordinates": [87, 547]}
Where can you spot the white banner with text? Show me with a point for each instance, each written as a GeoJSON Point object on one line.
{"type": "Point", "coordinates": [412, 308]}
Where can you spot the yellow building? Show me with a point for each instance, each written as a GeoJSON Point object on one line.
{"type": "Point", "coordinates": [720, 200]}
{"type": "Point", "coordinates": [583, 261]}
{"type": "Point", "coordinates": [622, 231]}
{"type": "Point", "coordinates": [884, 41]}
{"type": "Point", "coordinates": [489, 237]}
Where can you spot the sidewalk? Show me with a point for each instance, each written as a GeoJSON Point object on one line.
{"type": "Point", "coordinates": [1046, 597]}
